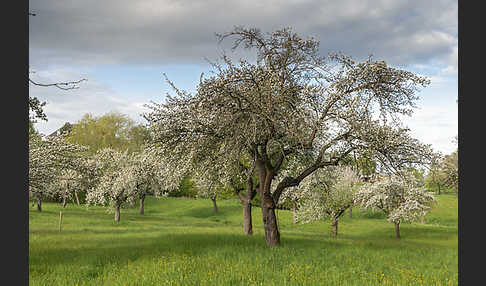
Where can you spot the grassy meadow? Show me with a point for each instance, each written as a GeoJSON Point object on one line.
{"type": "Point", "coordinates": [180, 241]}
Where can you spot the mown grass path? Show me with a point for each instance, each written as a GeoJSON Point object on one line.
{"type": "Point", "coordinates": [181, 241]}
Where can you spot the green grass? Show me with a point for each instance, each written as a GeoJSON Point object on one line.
{"type": "Point", "coordinates": [181, 241]}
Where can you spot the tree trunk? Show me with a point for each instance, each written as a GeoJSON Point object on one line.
{"type": "Point", "coordinates": [272, 235]}
{"type": "Point", "coordinates": [77, 198]}
{"type": "Point", "coordinates": [350, 213]}
{"type": "Point", "coordinates": [246, 203]}
{"type": "Point", "coordinates": [247, 223]}
{"type": "Point", "coordinates": [117, 212]}
{"type": "Point", "coordinates": [335, 221]}
{"type": "Point", "coordinates": [215, 207]}
{"type": "Point", "coordinates": [397, 230]}
{"type": "Point", "coordinates": [438, 185]}
{"type": "Point", "coordinates": [142, 199]}
{"type": "Point", "coordinates": [39, 205]}
{"type": "Point", "coordinates": [294, 211]}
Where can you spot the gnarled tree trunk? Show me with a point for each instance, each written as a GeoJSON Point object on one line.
{"type": "Point", "coordinates": [272, 235]}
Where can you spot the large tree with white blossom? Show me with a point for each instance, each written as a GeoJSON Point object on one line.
{"type": "Point", "coordinates": [291, 102]}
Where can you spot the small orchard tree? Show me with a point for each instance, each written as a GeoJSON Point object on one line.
{"type": "Point", "coordinates": [328, 192]}
{"type": "Point", "coordinates": [208, 187]}
{"type": "Point", "coordinates": [66, 185]}
{"type": "Point", "coordinates": [49, 157]}
{"type": "Point", "coordinates": [214, 177]}
{"type": "Point", "coordinates": [152, 176]}
{"type": "Point", "coordinates": [126, 177]}
{"type": "Point", "coordinates": [116, 184]}
{"type": "Point", "coordinates": [399, 197]}
{"type": "Point", "coordinates": [435, 177]}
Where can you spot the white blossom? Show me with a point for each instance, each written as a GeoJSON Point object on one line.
{"type": "Point", "coordinates": [328, 192]}
{"type": "Point", "coordinates": [399, 197]}
{"type": "Point", "coordinates": [49, 159]}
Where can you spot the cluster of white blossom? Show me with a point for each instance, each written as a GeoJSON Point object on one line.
{"type": "Point", "coordinates": [66, 184]}
{"type": "Point", "coordinates": [116, 183]}
{"type": "Point", "coordinates": [49, 159]}
{"type": "Point", "coordinates": [327, 192]}
{"type": "Point", "coordinates": [152, 175]}
{"type": "Point", "coordinates": [125, 177]}
{"type": "Point", "coordinates": [401, 198]}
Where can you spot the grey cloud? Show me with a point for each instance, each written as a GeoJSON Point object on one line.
{"type": "Point", "coordinates": [161, 32]}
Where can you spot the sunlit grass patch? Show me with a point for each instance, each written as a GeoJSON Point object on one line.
{"type": "Point", "coordinates": [182, 242]}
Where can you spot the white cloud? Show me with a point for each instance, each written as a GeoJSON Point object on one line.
{"type": "Point", "coordinates": [70, 105]}
{"type": "Point", "coordinates": [436, 126]}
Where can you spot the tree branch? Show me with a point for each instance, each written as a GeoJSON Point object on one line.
{"type": "Point", "coordinates": [60, 85]}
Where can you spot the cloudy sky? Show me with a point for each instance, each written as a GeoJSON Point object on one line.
{"type": "Point", "coordinates": [123, 47]}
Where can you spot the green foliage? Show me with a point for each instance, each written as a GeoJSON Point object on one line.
{"type": "Point", "coordinates": [183, 242]}
{"type": "Point", "coordinates": [444, 174]}
{"type": "Point", "coordinates": [186, 189]}
{"type": "Point", "coordinates": [450, 169]}
{"type": "Point", "coordinates": [363, 163]}
{"type": "Point", "coordinates": [112, 130]}
{"type": "Point", "coordinates": [366, 165]}
{"type": "Point", "coordinates": [36, 110]}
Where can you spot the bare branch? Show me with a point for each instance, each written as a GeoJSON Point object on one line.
{"type": "Point", "coordinates": [60, 85]}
